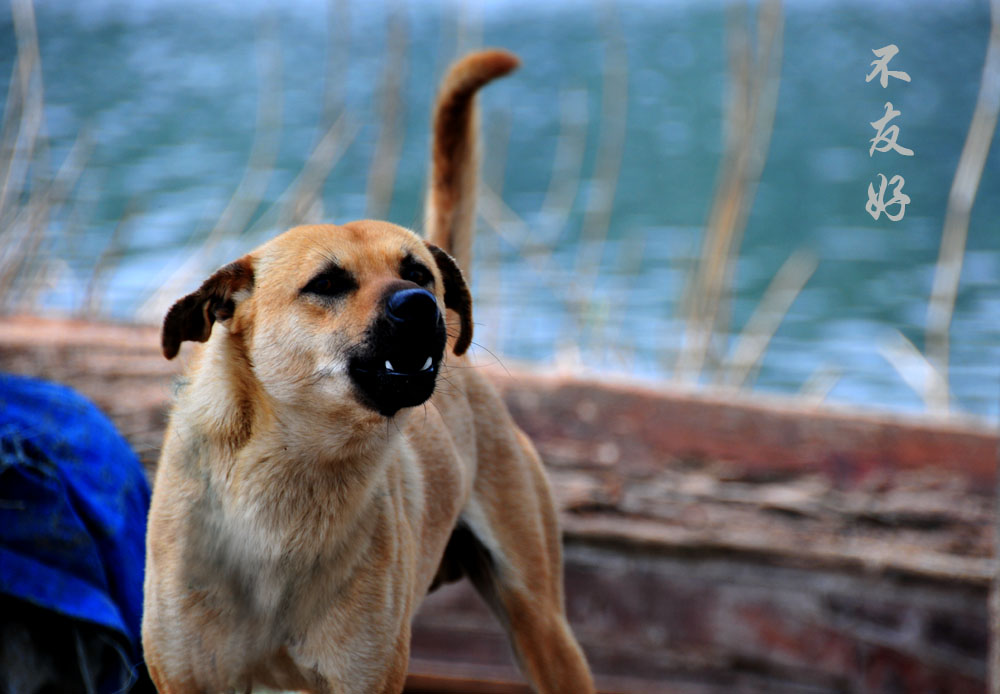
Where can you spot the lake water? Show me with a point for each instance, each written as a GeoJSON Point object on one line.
{"type": "Point", "coordinates": [169, 90]}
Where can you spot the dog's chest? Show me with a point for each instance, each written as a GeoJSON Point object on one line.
{"type": "Point", "coordinates": [272, 564]}
{"type": "Point", "coordinates": [289, 602]}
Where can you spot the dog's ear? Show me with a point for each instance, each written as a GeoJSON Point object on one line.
{"type": "Point", "coordinates": [456, 296]}
{"type": "Point", "coordinates": [192, 317]}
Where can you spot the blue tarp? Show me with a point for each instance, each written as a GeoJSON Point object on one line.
{"type": "Point", "coordinates": [73, 505]}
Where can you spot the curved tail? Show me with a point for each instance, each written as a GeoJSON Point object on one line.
{"type": "Point", "coordinates": [451, 196]}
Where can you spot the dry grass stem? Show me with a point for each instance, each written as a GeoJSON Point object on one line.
{"type": "Point", "coordinates": [610, 145]}
{"type": "Point", "coordinates": [115, 248]}
{"type": "Point", "coordinates": [763, 96]}
{"type": "Point", "coordinates": [469, 28]}
{"type": "Point", "coordinates": [249, 193]}
{"type": "Point", "coordinates": [751, 346]}
{"type": "Point", "coordinates": [488, 273]}
{"type": "Point", "coordinates": [21, 220]}
{"type": "Point", "coordinates": [506, 223]}
{"type": "Point", "coordinates": [819, 384]}
{"type": "Point", "coordinates": [338, 57]}
{"type": "Point", "coordinates": [750, 121]}
{"type": "Point", "coordinates": [956, 220]}
{"type": "Point", "coordinates": [630, 258]}
{"type": "Point", "coordinates": [303, 203]}
{"type": "Point", "coordinates": [34, 193]}
{"type": "Point", "coordinates": [564, 183]}
{"type": "Point", "coordinates": [385, 160]}
{"type": "Point", "coordinates": [23, 114]}
{"type": "Point", "coordinates": [917, 371]}
{"type": "Point", "coordinates": [21, 265]}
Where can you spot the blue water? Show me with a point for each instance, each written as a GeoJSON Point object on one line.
{"type": "Point", "coordinates": [168, 92]}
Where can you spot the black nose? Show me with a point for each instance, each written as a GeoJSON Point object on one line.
{"type": "Point", "coordinates": [413, 305]}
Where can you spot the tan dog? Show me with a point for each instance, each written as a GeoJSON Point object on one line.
{"type": "Point", "coordinates": [303, 503]}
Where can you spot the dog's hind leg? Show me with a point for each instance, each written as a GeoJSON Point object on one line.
{"type": "Point", "coordinates": [545, 647]}
{"type": "Point", "coordinates": [508, 544]}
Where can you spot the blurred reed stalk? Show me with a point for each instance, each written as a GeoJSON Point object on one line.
{"type": "Point", "coordinates": [30, 195]}
{"type": "Point", "coordinates": [489, 271]}
{"type": "Point", "coordinates": [31, 271]}
{"type": "Point", "coordinates": [392, 112]}
{"type": "Point", "coordinates": [301, 201]}
{"type": "Point", "coordinates": [567, 164]}
{"type": "Point", "coordinates": [21, 220]}
{"type": "Point", "coordinates": [22, 120]}
{"type": "Point", "coordinates": [956, 220]}
{"type": "Point", "coordinates": [509, 226]}
{"type": "Point", "coordinates": [564, 185]}
{"type": "Point", "coordinates": [630, 258]}
{"type": "Point", "coordinates": [578, 289]}
{"type": "Point", "coordinates": [246, 199]}
{"type": "Point", "coordinates": [755, 77]}
{"type": "Point", "coordinates": [607, 166]}
{"type": "Point", "coordinates": [912, 366]}
{"type": "Point", "coordinates": [468, 28]}
{"type": "Point", "coordinates": [747, 354]}
{"type": "Point", "coordinates": [750, 120]}
{"type": "Point", "coordinates": [987, 106]}
{"type": "Point", "coordinates": [93, 302]}
{"type": "Point", "coordinates": [338, 57]}
{"type": "Point", "coordinates": [533, 246]}
{"type": "Point", "coordinates": [820, 383]}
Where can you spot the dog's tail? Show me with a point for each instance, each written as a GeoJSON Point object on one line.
{"type": "Point", "coordinates": [451, 197]}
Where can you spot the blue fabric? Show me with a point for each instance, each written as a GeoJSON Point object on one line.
{"type": "Point", "coordinates": [73, 506]}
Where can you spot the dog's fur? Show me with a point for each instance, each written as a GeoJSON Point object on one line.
{"type": "Point", "coordinates": [302, 505]}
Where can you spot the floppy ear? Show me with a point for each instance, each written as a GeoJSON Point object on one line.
{"type": "Point", "coordinates": [192, 317]}
{"type": "Point", "coordinates": [456, 296]}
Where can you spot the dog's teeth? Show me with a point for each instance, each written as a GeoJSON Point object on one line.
{"type": "Point", "coordinates": [427, 364]}
{"type": "Point", "coordinates": [388, 365]}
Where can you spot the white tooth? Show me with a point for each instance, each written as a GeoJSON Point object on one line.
{"type": "Point", "coordinates": [388, 365]}
{"type": "Point", "coordinates": [427, 364]}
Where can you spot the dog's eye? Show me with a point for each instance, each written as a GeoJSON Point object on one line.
{"type": "Point", "coordinates": [332, 282]}
{"type": "Point", "coordinates": [416, 273]}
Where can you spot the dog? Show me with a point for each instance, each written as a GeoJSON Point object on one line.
{"type": "Point", "coordinates": [331, 458]}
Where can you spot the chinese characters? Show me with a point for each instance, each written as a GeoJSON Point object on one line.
{"type": "Point", "coordinates": [887, 137]}
{"type": "Point", "coordinates": [886, 140]}
{"type": "Point", "coordinates": [884, 55]}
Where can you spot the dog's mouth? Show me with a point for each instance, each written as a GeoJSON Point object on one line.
{"type": "Point", "coordinates": [398, 364]}
{"type": "Point", "coordinates": [387, 385]}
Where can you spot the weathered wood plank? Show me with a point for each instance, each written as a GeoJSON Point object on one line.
{"type": "Point", "coordinates": [714, 542]}
{"type": "Point", "coordinates": [614, 424]}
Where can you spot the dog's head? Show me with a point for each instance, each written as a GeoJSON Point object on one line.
{"type": "Point", "coordinates": [353, 311]}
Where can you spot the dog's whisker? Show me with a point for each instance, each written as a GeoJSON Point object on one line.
{"type": "Point", "coordinates": [496, 358]}
{"type": "Point", "coordinates": [434, 405]}
{"type": "Point", "coordinates": [450, 390]}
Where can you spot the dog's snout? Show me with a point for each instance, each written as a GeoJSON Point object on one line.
{"type": "Point", "coordinates": [396, 366]}
{"type": "Point", "coordinates": [413, 305]}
